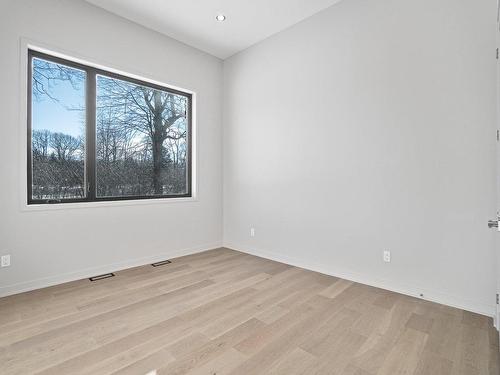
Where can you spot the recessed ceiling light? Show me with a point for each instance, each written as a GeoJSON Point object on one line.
{"type": "Point", "coordinates": [220, 17]}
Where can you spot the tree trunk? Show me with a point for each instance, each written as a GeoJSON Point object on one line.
{"type": "Point", "coordinates": [157, 143]}
{"type": "Point", "coordinates": [157, 159]}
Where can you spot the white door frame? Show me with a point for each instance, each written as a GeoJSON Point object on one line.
{"type": "Point", "coordinates": [497, 239]}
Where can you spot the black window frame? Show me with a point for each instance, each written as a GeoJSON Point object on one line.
{"type": "Point", "coordinates": [90, 131]}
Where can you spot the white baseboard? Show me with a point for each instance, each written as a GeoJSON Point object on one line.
{"type": "Point", "coordinates": [93, 271]}
{"type": "Point", "coordinates": [429, 295]}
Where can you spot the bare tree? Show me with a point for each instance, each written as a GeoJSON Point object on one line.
{"type": "Point", "coordinates": [40, 143]}
{"type": "Point", "coordinates": [65, 146]}
{"type": "Point", "coordinates": [143, 110]}
{"type": "Point", "coordinates": [46, 75]}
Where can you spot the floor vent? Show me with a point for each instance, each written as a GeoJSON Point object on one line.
{"type": "Point", "coordinates": [101, 277]}
{"type": "Point", "coordinates": [162, 263]}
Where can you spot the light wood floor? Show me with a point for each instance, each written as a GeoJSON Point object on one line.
{"type": "Point", "coordinates": [224, 312]}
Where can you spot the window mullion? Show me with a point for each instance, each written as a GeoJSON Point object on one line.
{"type": "Point", "coordinates": [91, 134]}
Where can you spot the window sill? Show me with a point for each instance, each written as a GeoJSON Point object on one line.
{"type": "Point", "coordinates": [122, 203]}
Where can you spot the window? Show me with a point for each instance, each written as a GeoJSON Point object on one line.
{"type": "Point", "coordinates": [95, 135]}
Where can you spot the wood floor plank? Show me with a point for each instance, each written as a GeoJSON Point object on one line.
{"type": "Point", "coordinates": [224, 312]}
{"type": "Point", "coordinates": [199, 356]}
{"type": "Point", "coordinates": [336, 288]}
{"type": "Point", "coordinates": [353, 370]}
{"type": "Point", "coordinates": [432, 363]}
{"type": "Point", "coordinates": [271, 314]}
{"type": "Point", "coordinates": [409, 347]}
{"type": "Point", "coordinates": [371, 356]}
{"type": "Point", "coordinates": [297, 362]}
{"type": "Point", "coordinates": [261, 337]}
{"type": "Point", "coordinates": [332, 335]}
{"type": "Point", "coordinates": [283, 344]}
{"type": "Point", "coordinates": [220, 365]}
{"type": "Point", "coordinates": [473, 350]}
{"type": "Point", "coordinates": [162, 333]}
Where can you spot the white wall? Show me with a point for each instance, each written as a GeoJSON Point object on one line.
{"type": "Point", "coordinates": [370, 126]}
{"type": "Point", "coordinates": [57, 245]}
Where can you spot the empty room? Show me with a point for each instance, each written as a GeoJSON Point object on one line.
{"type": "Point", "coordinates": [233, 187]}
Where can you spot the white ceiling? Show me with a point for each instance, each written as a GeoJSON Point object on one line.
{"type": "Point", "coordinates": [193, 21]}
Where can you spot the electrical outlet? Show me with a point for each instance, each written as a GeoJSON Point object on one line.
{"type": "Point", "coordinates": [387, 256]}
{"type": "Point", "coordinates": [5, 260]}
{"type": "Point", "coordinates": [252, 232]}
